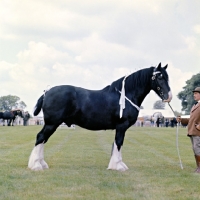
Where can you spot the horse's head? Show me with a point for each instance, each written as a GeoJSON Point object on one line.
{"type": "Point", "coordinates": [160, 83]}
{"type": "Point", "coordinates": [18, 112]}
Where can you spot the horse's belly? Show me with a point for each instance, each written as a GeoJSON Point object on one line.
{"type": "Point", "coordinates": [95, 123]}
{"type": "Point", "coordinates": [96, 127]}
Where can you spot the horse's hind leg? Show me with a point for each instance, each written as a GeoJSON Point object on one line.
{"type": "Point", "coordinates": [36, 159]}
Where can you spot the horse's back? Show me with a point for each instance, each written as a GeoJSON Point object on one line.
{"type": "Point", "coordinates": [69, 95]}
{"type": "Point", "coordinates": [6, 115]}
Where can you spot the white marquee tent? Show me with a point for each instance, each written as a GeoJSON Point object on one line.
{"type": "Point", "coordinates": [167, 113]}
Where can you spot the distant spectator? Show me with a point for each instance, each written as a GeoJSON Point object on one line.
{"type": "Point", "coordinates": [142, 123]}
{"type": "Point", "coordinates": [166, 122]}
{"type": "Point", "coordinates": [152, 121]}
{"type": "Point", "coordinates": [162, 121]}
{"type": "Point", "coordinates": [172, 122]}
{"type": "Point", "coordinates": [158, 122]}
{"type": "Point", "coordinates": [26, 118]}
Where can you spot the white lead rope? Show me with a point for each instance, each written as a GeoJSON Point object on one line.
{"type": "Point", "coordinates": [177, 146]}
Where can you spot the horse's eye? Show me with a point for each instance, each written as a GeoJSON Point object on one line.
{"type": "Point", "coordinates": [160, 76]}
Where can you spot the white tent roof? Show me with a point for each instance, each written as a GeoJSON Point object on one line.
{"type": "Point", "coordinates": [185, 116]}
{"type": "Point", "coordinates": [147, 112]}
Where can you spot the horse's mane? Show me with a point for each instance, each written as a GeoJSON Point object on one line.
{"type": "Point", "coordinates": [133, 80]}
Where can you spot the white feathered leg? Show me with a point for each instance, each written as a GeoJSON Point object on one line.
{"type": "Point", "coordinates": [42, 162]}
{"type": "Point", "coordinates": [116, 160]}
{"type": "Point", "coordinates": [36, 159]}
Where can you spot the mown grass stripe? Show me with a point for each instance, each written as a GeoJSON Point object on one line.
{"type": "Point", "coordinates": [78, 160]}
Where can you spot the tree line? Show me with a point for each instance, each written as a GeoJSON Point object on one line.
{"type": "Point", "coordinates": [186, 95]}
{"type": "Point", "coordinates": [11, 102]}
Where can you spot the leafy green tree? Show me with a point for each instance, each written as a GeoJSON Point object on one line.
{"type": "Point", "coordinates": [10, 102]}
{"type": "Point", "coordinates": [186, 96]}
{"type": "Point", "coordinates": [159, 105]}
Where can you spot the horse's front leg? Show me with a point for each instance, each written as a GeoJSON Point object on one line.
{"type": "Point", "coordinates": [116, 156]}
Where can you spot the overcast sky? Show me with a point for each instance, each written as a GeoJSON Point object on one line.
{"type": "Point", "coordinates": [91, 43]}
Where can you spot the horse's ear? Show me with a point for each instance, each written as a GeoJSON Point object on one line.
{"type": "Point", "coordinates": [159, 66]}
{"type": "Point", "coordinates": [165, 67]}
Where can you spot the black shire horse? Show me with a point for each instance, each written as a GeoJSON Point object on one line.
{"type": "Point", "coordinates": [114, 107]}
{"type": "Point", "coordinates": [10, 116]}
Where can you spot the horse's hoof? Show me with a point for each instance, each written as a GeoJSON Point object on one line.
{"type": "Point", "coordinates": [44, 164]}
{"type": "Point", "coordinates": [36, 167]}
{"type": "Point", "coordinates": [119, 166]}
{"type": "Point", "coordinates": [122, 167]}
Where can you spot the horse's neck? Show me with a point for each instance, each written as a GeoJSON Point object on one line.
{"type": "Point", "coordinates": [141, 89]}
{"type": "Point", "coordinates": [137, 85]}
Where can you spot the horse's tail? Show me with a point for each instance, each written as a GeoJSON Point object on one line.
{"type": "Point", "coordinates": [38, 106]}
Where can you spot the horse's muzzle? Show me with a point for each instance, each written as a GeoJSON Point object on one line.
{"type": "Point", "coordinates": [169, 97]}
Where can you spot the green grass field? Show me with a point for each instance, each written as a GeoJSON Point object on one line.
{"type": "Point", "coordinates": [78, 160]}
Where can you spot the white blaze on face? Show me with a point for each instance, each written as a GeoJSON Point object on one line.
{"type": "Point", "coordinates": [169, 94]}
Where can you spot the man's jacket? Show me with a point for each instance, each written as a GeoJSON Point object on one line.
{"type": "Point", "coordinates": [194, 122]}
